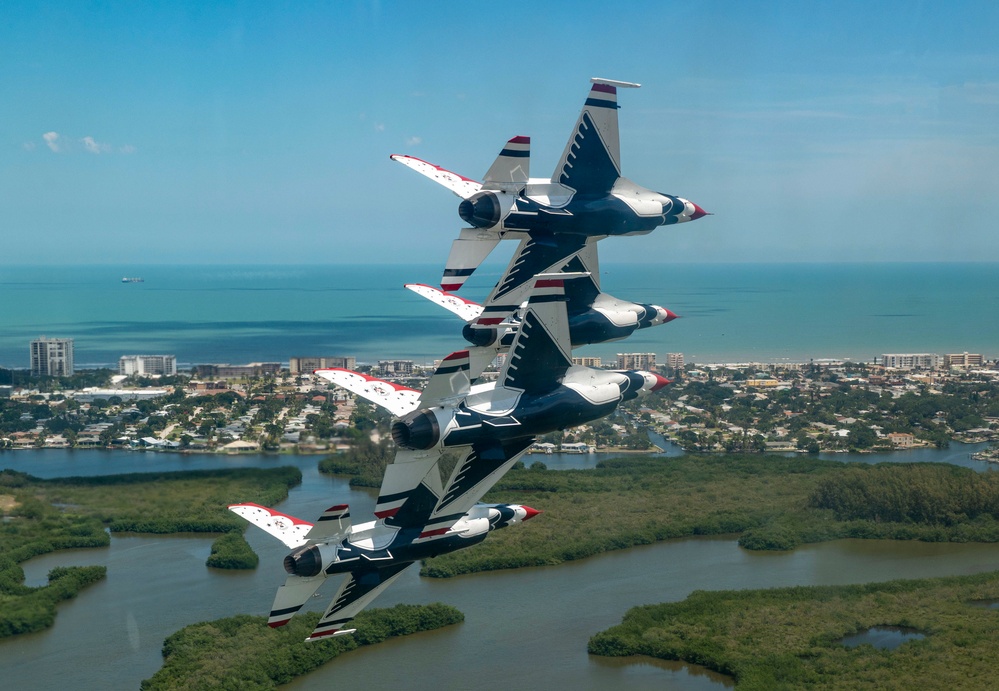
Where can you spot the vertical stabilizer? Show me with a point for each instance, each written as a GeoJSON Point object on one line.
{"type": "Point", "coordinates": [541, 352]}
{"type": "Point", "coordinates": [591, 162]}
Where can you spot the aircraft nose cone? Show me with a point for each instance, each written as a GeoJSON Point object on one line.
{"type": "Point", "coordinates": [665, 315]}
{"type": "Point", "coordinates": [698, 212]}
{"type": "Point", "coordinates": [530, 513]}
{"type": "Point", "coordinates": [661, 381]}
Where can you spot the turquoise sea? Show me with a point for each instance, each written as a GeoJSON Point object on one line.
{"type": "Point", "coordinates": [730, 312]}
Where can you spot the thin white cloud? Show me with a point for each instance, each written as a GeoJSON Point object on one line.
{"type": "Point", "coordinates": [59, 144]}
{"type": "Point", "coordinates": [414, 141]}
{"type": "Point", "coordinates": [52, 141]}
{"type": "Point", "coordinates": [95, 147]}
{"type": "Point", "coordinates": [379, 127]}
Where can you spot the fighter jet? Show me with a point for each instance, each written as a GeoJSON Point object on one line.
{"type": "Point", "coordinates": [586, 195]}
{"type": "Point", "coordinates": [594, 316]}
{"type": "Point", "coordinates": [538, 390]}
{"type": "Point", "coordinates": [423, 510]}
{"type": "Point", "coordinates": [373, 554]}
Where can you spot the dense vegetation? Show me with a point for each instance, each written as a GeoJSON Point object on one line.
{"type": "Point", "coordinates": [937, 495]}
{"type": "Point", "coordinates": [775, 502]}
{"type": "Point", "coordinates": [788, 638]}
{"type": "Point", "coordinates": [42, 516]}
{"type": "Point", "coordinates": [364, 462]}
{"type": "Point", "coordinates": [34, 609]}
{"type": "Point", "coordinates": [232, 551]}
{"type": "Point", "coordinates": [243, 653]}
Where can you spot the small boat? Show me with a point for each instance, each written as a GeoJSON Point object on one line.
{"type": "Point", "coordinates": [132, 279]}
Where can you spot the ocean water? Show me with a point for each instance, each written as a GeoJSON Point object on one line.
{"type": "Point", "coordinates": [730, 312]}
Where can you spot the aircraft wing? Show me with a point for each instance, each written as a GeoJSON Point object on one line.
{"type": "Point", "coordinates": [358, 590]}
{"type": "Point", "coordinates": [466, 310]}
{"type": "Point", "coordinates": [293, 532]}
{"type": "Point", "coordinates": [395, 398]}
{"type": "Point", "coordinates": [459, 184]}
{"type": "Point", "coordinates": [591, 162]}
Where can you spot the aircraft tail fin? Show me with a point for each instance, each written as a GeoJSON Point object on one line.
{"type": "Point", "coordinates": [591, 162]}
{"type": "Point", "coordinates": [541, 352]}
{"type": "Point", "coordinates": [512, 168]}
{"type": "Point", "coordinates": [357, 591]}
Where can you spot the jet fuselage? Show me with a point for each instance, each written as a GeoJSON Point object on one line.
{"type": "Point", "coordinates": [501, 415]}
{"type": "Point", "coordinates": [627, 210]}
{"type": "Point", "coordinates": [375, 544]}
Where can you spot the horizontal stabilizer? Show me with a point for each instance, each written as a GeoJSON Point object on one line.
{"type": "Point", "coordinates": [290, 598]}
{"type": "Point", "coordinates": [288, 529]}
{"type": "Point", "coordinates": [467, 252]}
{"type": "Point", "coordinates": [512, 168]}
{"type": "Point", "coordinates": [334, 522]}
{"type": "Point", "coordinates": [466, 310]}
{"type": "Point", "coordinates": [395, 398]}
{"type": "Point", "coordinates": [459, 184]}
{"type": "Point", "coordinates": [449, 380]}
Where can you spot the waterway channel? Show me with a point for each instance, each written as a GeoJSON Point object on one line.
{"type": "Point", "coordinates": [525, 627]}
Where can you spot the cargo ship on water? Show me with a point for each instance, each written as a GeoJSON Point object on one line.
{"type": "Point", "coordinates": [132, 279]}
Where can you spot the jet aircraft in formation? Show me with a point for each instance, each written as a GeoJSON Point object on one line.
{"type": "Point", "coordinates": [586, 196]}
{"type": "Point", "coordinates": [547, 301]}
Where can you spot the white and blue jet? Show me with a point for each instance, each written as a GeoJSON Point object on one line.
{"type": "Point", "coordinates": [586, 196]}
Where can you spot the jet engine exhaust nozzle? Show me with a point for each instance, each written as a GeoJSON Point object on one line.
{"type": "Point", "coordinates": [305, 563]}
{"type": "Point", "coordinates": [479, 337]}
{"type": "Point", "coordinates": [418, 430]}
{"type": "Point", "coordinates": [481, 210]}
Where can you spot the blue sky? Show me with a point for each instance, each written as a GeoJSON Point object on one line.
{"type": "Point", "coordinates": [260, 132]}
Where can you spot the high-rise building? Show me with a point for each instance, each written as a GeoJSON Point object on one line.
{"type": "Point", "coordinates": [52, 357]}
{"type": "Point", "coordinates": [644, 361]}
{"type": "Point", "coordinates": [674, 360]}
{"type": "Point", "coordinates": [587, 361]}
{"type": "Point", "coordinates": [145, 365]}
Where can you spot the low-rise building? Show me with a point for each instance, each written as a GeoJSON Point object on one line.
{"type": "Point", "coordinates": [146, 365]}
{"type": "Point", "coordinates": [299, 365]}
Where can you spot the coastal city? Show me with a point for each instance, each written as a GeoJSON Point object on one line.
{"type": "Point", "coordinates": [899, 401]}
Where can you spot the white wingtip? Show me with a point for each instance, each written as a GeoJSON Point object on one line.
{"type": "Point", "coordinates": [614, 82]}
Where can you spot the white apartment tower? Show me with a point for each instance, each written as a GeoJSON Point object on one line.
{"type": "Point", "coordinates": [145, 365]}
{"type": "Point", "coordinates": [52, 357]}
{"type": "Point", "coordinates": [643, 361]}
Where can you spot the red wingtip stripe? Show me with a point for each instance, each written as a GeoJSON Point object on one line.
{"type": "Point", "coordinates": [387, 513]}
{"type": "Point", "coordinates": [431, 533]}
